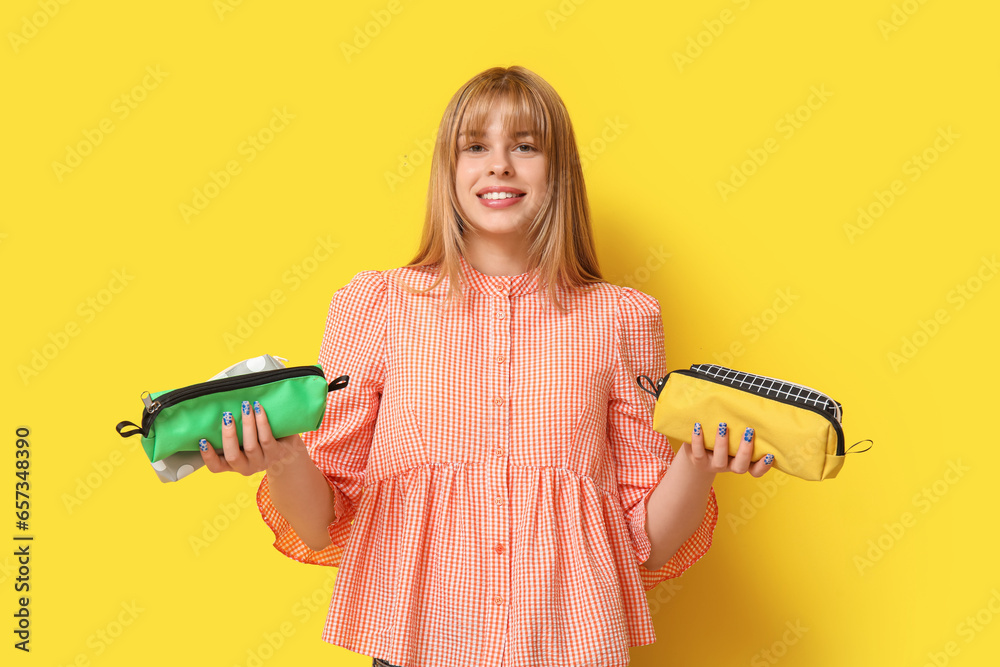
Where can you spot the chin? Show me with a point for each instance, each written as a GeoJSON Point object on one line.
{"type": "Point", "coordinates": [498, 230]}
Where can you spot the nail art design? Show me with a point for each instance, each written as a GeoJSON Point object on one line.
{"type": "Point", "coordinates": [246, 407]}
{"type": "Point", "coordinates": [748, 434]}
{"type": "Point", "coordinates": [697, 428]}
{"type": "Point", "coordinates": [723, 428]}
{"type": "Point", "coordinates": [227, 418]}
{"type": "Point", "coordinates": [203, 445]}
{"type": "Point", "coordinates": [256, 407]}
{"type": "Point", "coordinates": [768, 459]}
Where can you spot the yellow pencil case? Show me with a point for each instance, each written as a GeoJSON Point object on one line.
{"type": "Point", "coordinates": [800, 426]}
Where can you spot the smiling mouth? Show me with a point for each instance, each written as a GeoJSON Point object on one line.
{"type": "Point", "coordinates": [500, 195]}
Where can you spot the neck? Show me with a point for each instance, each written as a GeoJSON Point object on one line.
{"type": "Point", "coordinates": [497, 258]}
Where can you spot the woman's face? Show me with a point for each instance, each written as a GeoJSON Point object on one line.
{"type": "Point", "coordinates": [500, 165]}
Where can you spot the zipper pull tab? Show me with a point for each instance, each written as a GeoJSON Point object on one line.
{"type": "Point", "coordinates": [657, 386]}
{"type": "Point", "coordinates": [148, 402]}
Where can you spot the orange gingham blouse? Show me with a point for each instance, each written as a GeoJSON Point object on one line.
{"type": "Point", "coordinates": [490, 467]}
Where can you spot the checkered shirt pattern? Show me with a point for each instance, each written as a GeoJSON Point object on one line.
{"type": "Point", "coordinates": [490, 465]}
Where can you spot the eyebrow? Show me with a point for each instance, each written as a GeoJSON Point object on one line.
{"type": "Point", "coordinates": [478, 134]}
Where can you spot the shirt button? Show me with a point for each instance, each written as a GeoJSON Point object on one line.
{"type": "Point", "coordinates": [498, 400]}
{"type": "Point", "coordinates": [499, 358]}
{"type": "Point", "coordinates": [498, 451]}
{"type": "Point", "coordinates": [498, 548]}
{"type": "Point", "coordinates": [497, 600]}
{"type": "Point", "coordinates": [500, 314]}
{"type": "Point", "coordinates": [498, 500]}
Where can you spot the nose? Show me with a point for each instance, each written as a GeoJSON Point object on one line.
{"type": "Point", "coordinates": [501, 164]}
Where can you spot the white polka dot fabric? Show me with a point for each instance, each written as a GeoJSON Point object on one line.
{"type": "Point", "coordinates": [178, 466]}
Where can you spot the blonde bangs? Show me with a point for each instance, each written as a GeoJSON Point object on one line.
{"type": "Point", "coordinates": [519, 111]}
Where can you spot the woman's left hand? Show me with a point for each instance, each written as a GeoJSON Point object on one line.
{"type": "Point", "coordinates": [719, 460]}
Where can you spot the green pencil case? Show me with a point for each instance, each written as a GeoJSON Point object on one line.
{"type": "Point", "coordinates": [173, 421]}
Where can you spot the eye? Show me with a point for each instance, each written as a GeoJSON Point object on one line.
{"type": "Point", "coordinates": [472, 148]}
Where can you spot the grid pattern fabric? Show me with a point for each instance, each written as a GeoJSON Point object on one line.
{"type": "Point", "coordinates": [773, 388]}
{"type": "Point", "coordinates": [490, 465]}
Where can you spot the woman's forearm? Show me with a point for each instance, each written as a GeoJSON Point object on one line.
{"type": "Point", "coordinates": [675, 509]}
{"type": "Point", "coordinates": [301, 494]}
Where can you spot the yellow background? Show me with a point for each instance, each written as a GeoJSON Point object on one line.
{"type": "Point", "coordinates": [884, 565]}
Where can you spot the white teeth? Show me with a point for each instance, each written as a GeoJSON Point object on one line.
{"type": "Point", "coordinates": [498, 195]}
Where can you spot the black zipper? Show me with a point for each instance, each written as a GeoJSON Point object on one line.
{"type": "Point", "coordinates": [826, 415]}
{"type": "Point", "coordinates": [165, 400]}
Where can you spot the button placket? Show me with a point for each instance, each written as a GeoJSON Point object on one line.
{"type": "Point", "coordinates": [499, 372]}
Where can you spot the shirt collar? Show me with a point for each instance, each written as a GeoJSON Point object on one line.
{"type": "Point", "coordinates": [523, 283]}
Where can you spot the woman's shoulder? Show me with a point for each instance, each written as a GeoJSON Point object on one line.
{"type": "Point", "coordinates": [621, 294]}
{"type": "Point", "coordinates": [387, 278]}
{"type": "Point", "coordinates": [626, 304]}
{"type": "Point", "coordinates": [422, 271]}
{"type": "Point", "coordinates": [629, 294]}
{"type": "Point", "coordinates": [415, 277]}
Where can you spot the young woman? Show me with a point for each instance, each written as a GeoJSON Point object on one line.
{"type": "Point", "coordinates": [489, 482]}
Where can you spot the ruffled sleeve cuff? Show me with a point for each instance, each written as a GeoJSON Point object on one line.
{"type": "Point", "coordinates": [687, 555]}
{"type": "Point", "coordinates": [287, 541]}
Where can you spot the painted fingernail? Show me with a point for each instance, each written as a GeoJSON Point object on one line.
{"type": "Point", "coordinates": [203, 445]}
{"type": "Point", "coordinates": [748, 434]}
{"type": "Point", "coordinates": [256, 407]}
{"type": "Point", "coordinates": [723, 428]}
{"type": "Point", "coordinates": [697, 428]}
{"type": "Point", "coordinates": [768, 459]}
{"type": "Point", "coordinates": [246, 407]}
{"type": "Point", "coordinates": [227, 418]}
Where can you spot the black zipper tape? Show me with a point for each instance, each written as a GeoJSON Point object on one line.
{"type": "Point", "coordinates": [662, 382]}
{"type": "Point", "coordinates": [167, 399]}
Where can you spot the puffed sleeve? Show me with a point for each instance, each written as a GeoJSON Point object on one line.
{"type": "Point", "coordinates": [641, 454]}
{"type": "Point", "coordinates": [353, 345]}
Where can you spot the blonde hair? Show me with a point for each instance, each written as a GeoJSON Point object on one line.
{"type": "Point", "coordinates": [561, 242]}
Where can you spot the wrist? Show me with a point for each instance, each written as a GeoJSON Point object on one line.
{"type": "Point", "coordinates": [698, 473]}
{"type": "Point", "coordinates": [292, 455]}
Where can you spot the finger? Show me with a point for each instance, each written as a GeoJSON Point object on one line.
{"type": "Point", "coordinates": [741, 462]}
{"type": "Point", "coordinates": [762, 465]}
{"type": "Point", "coordinates": [212, 460]}
{"type": "Point", "coordinates": [231, 444]}
{"type": "Point", "coordinates": [698, 452]}
{"type": "Point", "coordinates": [266, 439]}
{"type": "Point", "coordinates": [251, 447]}
{"type": "Point", "coordinates": [720, 453]}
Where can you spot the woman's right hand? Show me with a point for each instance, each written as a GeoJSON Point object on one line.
{"type": "Point", "coordinates": [261, 450]}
